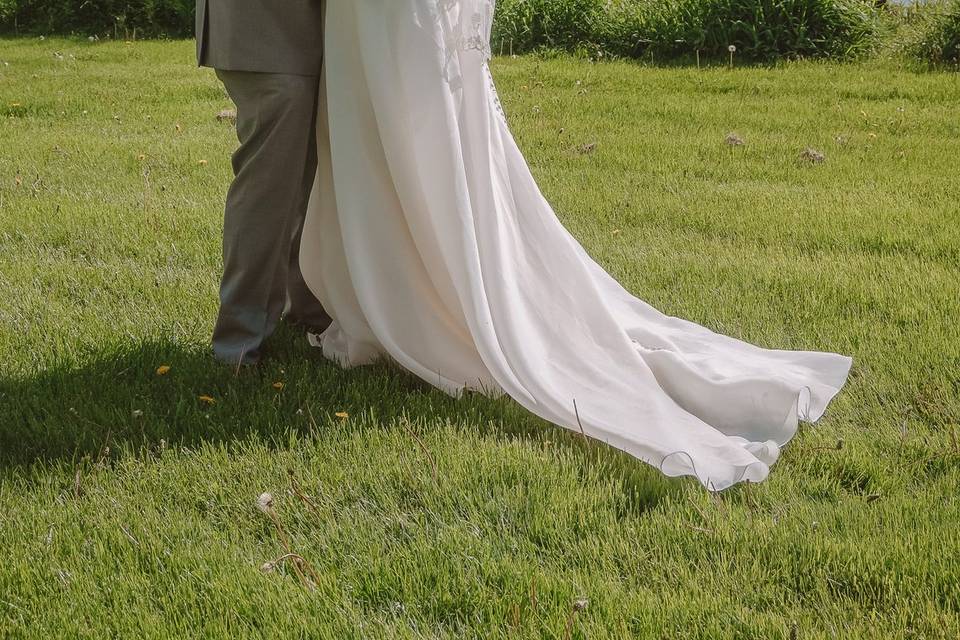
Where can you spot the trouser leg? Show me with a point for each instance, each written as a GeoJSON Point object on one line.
{"type": "Point", "coordinates": [265, 208]}
{"type": "Point", "coordinates": [302, 306]}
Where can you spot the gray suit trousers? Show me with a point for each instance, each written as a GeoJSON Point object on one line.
{"type": "Point", "coordinates": [274, 170]}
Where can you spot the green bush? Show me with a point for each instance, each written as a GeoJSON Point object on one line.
{"type": "Point", "coordinates": [7, 8]}
{"type": "Point", "coordinates": [770, 29]}
{"type": "Point", "coordinates": [935, 37]}
{"type": "Point", "coordinates": [760, 29]}
{"type": "Point", "coordinates": [523, 25]}
{"type": "Point", "coordinates": [150, 18]}
{"type": "Point", "coordinates": [636, 27]}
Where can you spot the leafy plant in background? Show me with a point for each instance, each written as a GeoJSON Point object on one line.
{"type": "Point", "coordinates": [119, 18]}
{"type": "Point", "coordinates": [771, 29]}
{"type": "Point", "coordinates": [760, 29]}
{"type": "Point", "coordinates": [934, 33]}
{"type": "Point", "coordinates": [523, 25]}
{"type": "Point", "coordinates": [637, 27]}
{"type": "Point", "coordinates": [8, 10]}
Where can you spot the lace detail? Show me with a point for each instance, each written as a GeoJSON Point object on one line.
{"type": "Point", "coordinates": [464, 27]}
{"type": "Point", "coordinates": [468, 25]}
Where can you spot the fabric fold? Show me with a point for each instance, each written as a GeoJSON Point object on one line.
{"type": "Point", "coordinates": [428, 241]}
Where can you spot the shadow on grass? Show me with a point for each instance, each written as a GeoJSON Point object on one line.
{"type": "Point", "coordinates": [117, 403]}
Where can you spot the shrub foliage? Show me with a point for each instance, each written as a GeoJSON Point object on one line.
{"type": "Point", "coordinates": [150, 18]}
{"type": "Point", "coordinates": [936, 33]}
{"type": "Point", "coordinates": [781, 28]}
{"type": "Point", "coordinates": [760, 29]}
{"type": "Point", "coordinates": [522, 25]}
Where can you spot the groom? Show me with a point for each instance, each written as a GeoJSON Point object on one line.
{"type": "Point", "coordinates": [268, 54]}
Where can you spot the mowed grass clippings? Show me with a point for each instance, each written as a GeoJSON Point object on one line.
{"type": "Point", "coordinates": [806, 206]}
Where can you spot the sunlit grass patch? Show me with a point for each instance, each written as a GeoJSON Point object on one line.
{"type": "Point", "coordinates": [131, 463]}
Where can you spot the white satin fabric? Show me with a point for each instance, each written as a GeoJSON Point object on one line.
{"type": "Point", "coordinates": [428, 240]}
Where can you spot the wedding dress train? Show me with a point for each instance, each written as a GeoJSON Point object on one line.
{"type": "Point", "coordinates": [427, 240]}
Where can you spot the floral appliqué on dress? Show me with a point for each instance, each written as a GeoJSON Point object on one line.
{"type": "Point", "coordinates": [466, 26]}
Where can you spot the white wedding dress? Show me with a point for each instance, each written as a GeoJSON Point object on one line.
{"type": "Point", "coordinates": [427, 240]}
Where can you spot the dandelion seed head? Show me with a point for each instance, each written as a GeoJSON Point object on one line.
{"type": "Point", "coordinates": [265, 502]}
{"type": "Point", "coordinates": [734, 140]}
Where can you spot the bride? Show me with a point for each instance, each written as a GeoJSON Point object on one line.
{"type": "Point", "coordinates": [428, 241]}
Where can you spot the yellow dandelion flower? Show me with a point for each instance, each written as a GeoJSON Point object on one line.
{"type": "Point", "coordinates": [206, 399]}
{"type": "Point", "coordinates": [163, 370]}
{"type": "Point", "coordinates": [342, 414]}
{"type": "Point", "coordinates": [278, 385]}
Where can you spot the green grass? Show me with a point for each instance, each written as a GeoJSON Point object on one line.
{"type": "Point", "coordinates": [127, 506]}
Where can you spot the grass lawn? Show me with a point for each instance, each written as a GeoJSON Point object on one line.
{"type": "Point", "coordinates": [127, 503]}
